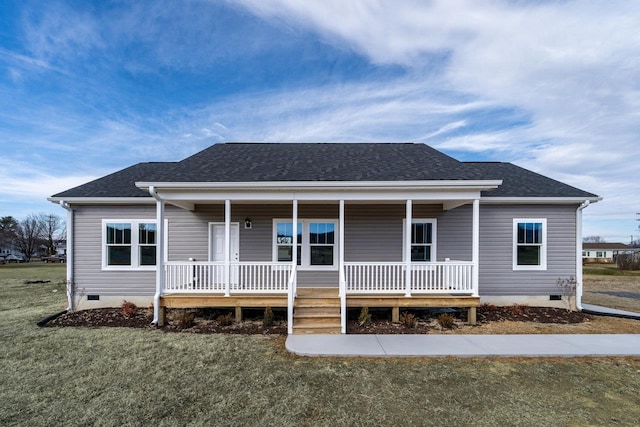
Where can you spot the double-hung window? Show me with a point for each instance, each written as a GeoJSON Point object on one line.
{"type": "Point", "coordinates": [129, 244]}
{"type": "Point", "coordinates": [423, 240]}
{"type": "Point", "coordinates": [317, 241]}
{"type": "Point", "coordinates": [284, 242]}
{"type": "Point", "coordinates": [529, 244]}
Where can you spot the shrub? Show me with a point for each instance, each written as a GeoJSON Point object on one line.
{"type": "Point", "coordinates": [268, 319]}
{"type": "Point", "coordinates": [628, 261]}
{"type": "Point", "coordinates": [446, 321]}
{"type": "Point", "coordinates": [408, 320]}
{"type": "Point", "coordinates": [364, 318]}
{"type": "Point", "coordinates": [129, 309]}
{"type": "Point", "coordinates": [225, 319]}
{"type": "Point", "coordinates": [186, 320]}
{"type": "Point", "coordinates": [568, 289]}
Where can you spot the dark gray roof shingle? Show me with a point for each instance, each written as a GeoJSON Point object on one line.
{"type": "Point", "coordinates": [520, 182]}
{"type": "Point", "coordinates": [121, 183]}
{"type": "Point", "coordinates": [260, 162]}
{"type": "Point", "coordinates": [247, 162]}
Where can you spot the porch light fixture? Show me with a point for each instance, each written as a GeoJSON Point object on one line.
{"type": "Point", "coordinates": [247, 223]}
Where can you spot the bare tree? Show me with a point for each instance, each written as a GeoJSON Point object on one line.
{"type": "Point", "coordinates": [8, 226]}
{"type": "Point", "coordinates": [28, 236]}
{"type": "Point", "coordinates": [593, 239]}
{"type": "Point", "coordinates": [51, 227]}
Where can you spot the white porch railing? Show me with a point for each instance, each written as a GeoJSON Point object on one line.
{"type": "Point", "coordinates": [291, 297]}
{"type": "Point", "coordinates": [245, 277]}
{"type": "Point", "coordinates": [450, 277]}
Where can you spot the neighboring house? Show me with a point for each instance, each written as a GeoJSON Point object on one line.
{"type": "Point", "coordinates": [321, 227]}
{"type": "Point", "coordinates": [603, 252]}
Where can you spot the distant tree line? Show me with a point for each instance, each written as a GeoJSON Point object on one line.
{"type": "Point", "coordinates": [32, 233]}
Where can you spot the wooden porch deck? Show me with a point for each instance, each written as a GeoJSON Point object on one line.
{"type": "Point", "coordinates": [317, 310]}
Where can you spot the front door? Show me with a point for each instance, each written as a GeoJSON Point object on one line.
{"type": "Point", "coordinates": [216, 246]}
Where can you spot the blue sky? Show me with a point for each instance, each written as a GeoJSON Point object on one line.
{"type": "Point", "coordinates": [88, 88]}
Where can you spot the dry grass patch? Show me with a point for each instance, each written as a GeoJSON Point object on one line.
{"type": "Point", "coordinates": [122, 376]}
{"type": "Point", "coordinates": [595, 287]}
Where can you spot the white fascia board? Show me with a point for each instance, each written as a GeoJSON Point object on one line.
{"type": "Point", "coordinates": [326, 185]}
{"type": "Point", "coordinates": [537, 200]}
{"type": "Point", "coordinates": [103, 200]}
{"type": "Point", "coordinates": [274, 196]}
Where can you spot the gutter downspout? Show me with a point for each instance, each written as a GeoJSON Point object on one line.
{"type": "Point", "coordinates": [160, 252]}
{"type": "Point", "coordinates": [70, 251]}
{"type": "Point", "coordinates": [579, 254]}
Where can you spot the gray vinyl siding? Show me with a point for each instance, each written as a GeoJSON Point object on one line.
{"type": "Point", "coordinates": [497, 276]}
{"type": "Point", "coordinates": [372, 233]}
{"type": "Point", "coordinates": [88, 275]}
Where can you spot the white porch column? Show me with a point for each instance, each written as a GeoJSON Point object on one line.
{"type": "Point", "coordinates": [159, 261]}
{"type": "Point", "coordinates": [341, 243]}
{"type": "Point", "coordinates": [341, 279]}
{"type": "Point", "coordinates": [227, 247]}
{"type": "Point", "coordinates": [475, 246]}
{"type": "Point", "coordinates": [294, 247]}
{"type": "Point", "coordinates": [407, 247]}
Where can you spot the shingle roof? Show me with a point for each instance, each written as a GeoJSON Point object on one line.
{"type": "Point", "coordinates": [246, 162]}
{"type": "Point", "coordinates": [260, 162]}
{"type": "Point", "coordinates": [121, 183]}
{"type": "Point", "coordinates": [520, 182]}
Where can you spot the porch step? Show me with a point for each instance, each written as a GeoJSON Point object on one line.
{"type": "Point", "coordinates": [316, 302]}
{"type": "Point", "coordinates": [318, 292]}
{"type": "Point", "coordinates": [316, 329]}
{"type": "Point", "coordinates": [316, 311]}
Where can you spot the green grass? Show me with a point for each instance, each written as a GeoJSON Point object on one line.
{"type": "Point", "coordinates": [607, 270]}
{"type": "Point", "coordinates": [117, 376]}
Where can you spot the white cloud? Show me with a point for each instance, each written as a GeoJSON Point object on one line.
{"type": "Point", "coordinates": [570, 66]}
{"type": "Point", "coordinates": [551, 86]}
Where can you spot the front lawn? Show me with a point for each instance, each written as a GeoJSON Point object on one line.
{"type": "Point", "coordinates": [605, 285]}
{"type": "Point", "coordinates": [120, 376]}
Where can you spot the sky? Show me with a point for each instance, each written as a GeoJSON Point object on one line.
{"type": "Point", "coordinates": [88, 88]}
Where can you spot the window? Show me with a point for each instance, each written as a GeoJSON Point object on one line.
{"type": "Point", "coordinates": [599, 254]}
{"type": "Point", "coordinates": [129, 244]}
{"type": "Point", "coordinates": [284, 242]}
{"type": "Point", "coordinates": [423, 240]}
{"type": "Point", "coordinates": [316, 243]}
{"type": "Point", "coordinates": [147, 242]}
{"type": "Point", "coordinates": [529, 244]}
{"type": "Point", "coordinates": [118, 243]}
{"type": "Point", "coordinates": [321, 243]}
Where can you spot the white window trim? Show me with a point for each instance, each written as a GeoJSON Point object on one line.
{"type": "Point", "coordinates": [543, 246]}
{"type": "Point", "coordinates": [434, 237]}
{"type": "Point", "coordinates": [135, 246]}
{"type": "Point", "coordinates": [306, 246]}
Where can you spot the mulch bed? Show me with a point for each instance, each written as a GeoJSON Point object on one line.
{"type": "Point", "coordinates": [208, 321]}
{"type": "Point", "coordinates": [199, 321]}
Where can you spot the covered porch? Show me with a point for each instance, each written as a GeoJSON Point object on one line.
{"type": "Point", "coordinates": [408, 274]}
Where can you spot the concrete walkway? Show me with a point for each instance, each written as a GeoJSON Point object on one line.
{"type": "Point", "coordinates": [606, 311]}
{"type": "Point", "coordinates": [570, 345]}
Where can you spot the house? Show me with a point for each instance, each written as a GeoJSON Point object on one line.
{"type": "Point", "coordinates": [320, 227]}
{"type": "Point", "coordinates": [603, 252]}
